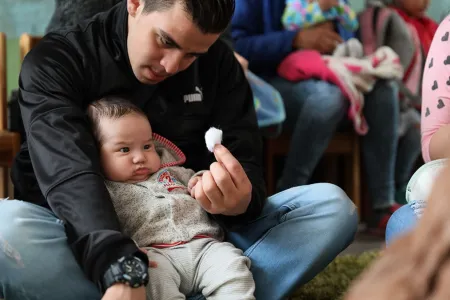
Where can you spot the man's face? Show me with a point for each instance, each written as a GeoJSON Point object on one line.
{"type": "Point", "coordinates": [163, 43]}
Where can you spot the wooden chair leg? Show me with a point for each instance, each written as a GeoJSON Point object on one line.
{"type": "Point", "coordinates": [356, 170]}
{"type": "Point", "coordinates": [3, 182]}
{"type": "Point", "coordinates": [352, 180]}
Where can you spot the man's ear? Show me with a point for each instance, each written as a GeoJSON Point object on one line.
{"type": "Point", "coordinates": [133, 7]}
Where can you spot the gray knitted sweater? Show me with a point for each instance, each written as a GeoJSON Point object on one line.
{"type": "Point", "coordinates": [160, 210]}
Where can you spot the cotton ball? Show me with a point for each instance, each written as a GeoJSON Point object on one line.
{"type": "Point", "coordinates": [212, 137]}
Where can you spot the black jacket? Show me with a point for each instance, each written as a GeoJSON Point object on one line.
{"type": "Point", "coordinates": [58, 165]}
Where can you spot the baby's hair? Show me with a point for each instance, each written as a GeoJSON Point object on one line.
{"type": "Point", "coordinates": [110, 107]}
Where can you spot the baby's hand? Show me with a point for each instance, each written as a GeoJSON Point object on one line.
{"type": "Point", "coordinates": [327, 4]}
{"type": "Point", "coordinates": [191, 185]}
{"type": "Point", "coordinates": [151, 264]}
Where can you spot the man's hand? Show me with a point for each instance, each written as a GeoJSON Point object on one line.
{"type": "Point", "coordinates": [327, 4]}
{"type": "Point", "coordinates": [224, 189]}
{"type": "Point", "coordinates": [416, 266]}
{"type": "Point", "coordinates": [242, 61]}
{"type": "Point", "coordinates": [122, 291]}
{"type": "Point", "coordinates": [321, 38]}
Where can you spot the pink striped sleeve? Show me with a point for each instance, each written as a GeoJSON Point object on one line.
{"type": "Point", "coordinates": [436, 87]}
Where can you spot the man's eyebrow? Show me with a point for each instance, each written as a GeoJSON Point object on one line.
{"type": "Point", "coordinates": [171, 41]}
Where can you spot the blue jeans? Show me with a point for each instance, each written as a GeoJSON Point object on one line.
{"type": "Point", "coordinates": [409, 150]}
{"type": "Point", "coordinates": [401, 222]}
{"type": "Point", "coordinates": [299, 232]}
{"type": "Point", "coordinates": [316, 109]}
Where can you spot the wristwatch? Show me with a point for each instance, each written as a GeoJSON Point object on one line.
{"type": "Point", "coordinates": [130, 270]}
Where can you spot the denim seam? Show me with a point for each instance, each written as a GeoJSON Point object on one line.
{"type": "Point", "coordinates": [281, 219]}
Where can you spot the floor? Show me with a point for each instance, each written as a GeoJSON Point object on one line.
{"type": "Point", "coordinates": [364, 242]}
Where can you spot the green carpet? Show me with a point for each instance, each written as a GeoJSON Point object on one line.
{"type": "Point", "coordinates": [336, 278]}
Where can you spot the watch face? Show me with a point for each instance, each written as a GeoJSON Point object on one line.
{"type": "Point", "coordinates": [133, 267]}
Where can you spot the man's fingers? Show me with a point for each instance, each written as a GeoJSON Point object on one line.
{"type": "Point", "coordinates": [212, 191]}
{"type": "Point", "coordinates": [223, 179]}
{"type": "Point", "coordinates": [201, 197]}
{"type": "Point", "coordinates": [231, 164]}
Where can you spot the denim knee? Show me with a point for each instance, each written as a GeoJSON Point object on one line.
{"type": "Point", "coordinates": [19, 232]}
{"type": "Point", "coordinates": [326, 105]}
{"type": "Point", "coordinates": [34, 251]}
{"type": "Point", "coordinates": [401, 222]}
{"type": "Point", "coordinates": [333, 204]}
{"type": "Point", "coordinates": [340, 206]}
{"type": "Point", "coordinates": [13, 216]}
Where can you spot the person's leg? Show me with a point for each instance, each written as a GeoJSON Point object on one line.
{"type": "Point", "coordinates": [35, 259]}
{"type": "Point", "coordinates": [401, 222]}
{"type": "Point", "coordinates": [379, 145]}
{"type": "Point", "coordinates": [409, 150]}
{"type": "Point", "coordinates": [223, 272]}
{"type": "Point", "coordinates": [314, 109]}
{"type": "Point", "coordinates": [300, 231]}
{"type": "Point", "coordinates": [379, 151]}
{"type": "Point", "coordinates": [165, 280]}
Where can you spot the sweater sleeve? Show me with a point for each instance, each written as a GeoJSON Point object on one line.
{"type": "Point", "coordinates": [436, 88]}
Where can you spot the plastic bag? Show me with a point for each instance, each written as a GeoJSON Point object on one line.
{"type": "Point", "coordinates": [268, 102]}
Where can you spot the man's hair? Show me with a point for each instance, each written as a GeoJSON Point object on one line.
{"type": "Point", "coordinates": [210, 16]}
{"type": "Point", "coordinates": [110, 107]}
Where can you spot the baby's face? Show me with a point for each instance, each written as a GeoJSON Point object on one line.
{"type": "Point", "coordinates": [127, 152]}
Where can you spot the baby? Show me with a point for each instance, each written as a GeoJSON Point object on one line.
{"type": "Point", "coordinates": [148, 188]}
{"type": "Point", "coordinates": [301, 14]}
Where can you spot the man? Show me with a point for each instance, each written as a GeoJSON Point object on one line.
{"type": "Point", "coordinates": [164, 56]}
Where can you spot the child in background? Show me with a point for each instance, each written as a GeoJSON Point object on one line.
{"type": "Point", "coordinates": [413, 13]}
{"type": "Point", "coordinates": [403, 26]}
{"type": "Point", "coordinates": [306, 13]}
{"type": "Point", "coordinates": [151, 193]}
{"type": "Point", "coordinates": [300, 14]}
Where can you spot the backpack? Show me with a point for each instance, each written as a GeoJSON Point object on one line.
{"type": "Point", "coordinates": [382, 26]}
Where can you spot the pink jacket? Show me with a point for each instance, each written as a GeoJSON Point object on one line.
{"type": "Point", "coordinates": [354, 76]}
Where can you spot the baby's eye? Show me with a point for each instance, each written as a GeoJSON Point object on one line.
{"type": "Point", "coordinates": [124, 150]}
{"type": "Point", "coordinates": [146, 147]}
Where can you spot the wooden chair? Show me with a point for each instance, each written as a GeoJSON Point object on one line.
{"type": "Point", "coordinates": [345, 144]}
{"type": "Point", "coordinates": [9, 141]}
{"type": "Point", "coordinates": [27, 42]}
